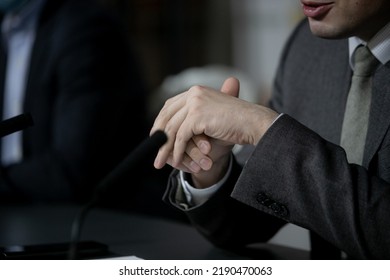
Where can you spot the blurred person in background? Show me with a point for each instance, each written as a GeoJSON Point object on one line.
{"type": "Point", "coordinates": [70, 64]}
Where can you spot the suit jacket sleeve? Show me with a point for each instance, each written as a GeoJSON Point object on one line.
{"type": "Point", "coordinates": [223, 220]}
{"type": "Point", "coordinates": [312, 181]}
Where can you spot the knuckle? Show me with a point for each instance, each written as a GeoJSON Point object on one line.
{"type": "Point", "coordinates": [195, 89]}
{"type": "Point", "coordinates": [168, 102]}
{"type": "Point", "coordinates": [179, 136]}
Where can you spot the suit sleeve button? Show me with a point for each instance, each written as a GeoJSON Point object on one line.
{"type": "Point", "coordinates": [263, 199]}
{"type": "Point", "coordinates": [279, 209]}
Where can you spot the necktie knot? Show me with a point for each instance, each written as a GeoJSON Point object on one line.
{"type": "Point", "coordinates": [365, 62]}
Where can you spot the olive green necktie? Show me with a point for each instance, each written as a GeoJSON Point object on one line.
{"type": "Point", "coordinates": [357, 111]}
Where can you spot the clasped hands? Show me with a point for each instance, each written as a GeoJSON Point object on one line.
{"type": "Point", "coordinates": [202, 126]}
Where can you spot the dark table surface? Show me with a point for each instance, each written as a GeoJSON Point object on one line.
{"type": "Point", "coordinates": [125, 234]}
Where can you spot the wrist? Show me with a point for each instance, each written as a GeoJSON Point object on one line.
{"type": "Point", "coordinates": [263, 123]}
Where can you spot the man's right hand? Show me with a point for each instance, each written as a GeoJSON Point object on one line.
{"type": "Point", "coordinates": [203, 124]}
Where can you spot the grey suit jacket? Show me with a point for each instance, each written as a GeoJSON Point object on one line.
{"type": "Point", "coordinates": [298, 173]}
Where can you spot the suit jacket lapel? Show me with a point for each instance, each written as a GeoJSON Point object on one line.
{"type": "Point", "coordinates": [3, 63]}
{"type": "Point", "coordinates": [380, 112]}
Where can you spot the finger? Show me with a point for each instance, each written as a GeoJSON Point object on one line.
{"type": "Point", "coordinates": [171, 106]}
{"type": "Point", "coordinates": [181, 166]}
{"type": "Point", "coordinates": [187, 164]}
{"type": "Point", "coordinates": [191, 127]}
{"type": "Point", "coordinates": [172, 129]}
{"type": "Point", "coordinates": [202, 141]}
{"type": "Point", "coordinates": [193, 160]}
{"type": "Point", "coordinates": [199, 160]}
{"type": "Point", "coordinates": [183, 136]}
{"type": "Point", "coordinates": [169, 120]}
{"type": "Point", "coordinates": [231, 86]}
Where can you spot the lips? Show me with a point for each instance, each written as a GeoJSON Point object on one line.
{"type": "Point", "coordinates": [316, 9]}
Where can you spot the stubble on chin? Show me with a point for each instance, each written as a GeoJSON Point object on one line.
{"type": "Point", "coordinates": [327, 30]}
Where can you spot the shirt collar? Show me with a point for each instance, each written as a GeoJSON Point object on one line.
{"type": "Point", "coordinates": [379, 45]}
{"type": "Point", "coordinates": [13, 22]}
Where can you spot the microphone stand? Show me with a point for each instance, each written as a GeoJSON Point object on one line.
{"type": "Point", "coordinates": [149, 146]}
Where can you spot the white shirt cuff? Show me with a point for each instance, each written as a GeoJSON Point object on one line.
{"type": "Point", "coordinates": [196, 196]}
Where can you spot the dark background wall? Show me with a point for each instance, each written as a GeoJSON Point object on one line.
{"type": "Point", "coordinates": [172, 35]}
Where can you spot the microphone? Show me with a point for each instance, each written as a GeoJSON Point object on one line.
{"type": "Point", "coordinates": [148, 147]}
{"type": "Point", "coordinates": [15, 124]}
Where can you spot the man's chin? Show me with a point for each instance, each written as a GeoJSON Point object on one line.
{"type": "Point", "coordinates": [325, 30]}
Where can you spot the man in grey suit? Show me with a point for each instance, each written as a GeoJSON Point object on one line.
{"type": "Point", "coordinates": [298, 172]}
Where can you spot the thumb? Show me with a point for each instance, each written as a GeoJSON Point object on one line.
{"type": "Point", "coordinates": [231, 86]}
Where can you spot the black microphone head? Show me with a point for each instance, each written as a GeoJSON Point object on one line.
{"type": "Point", "coordinates": [146, 149]}
{"type": "Point", "coordinates": [159, 137]}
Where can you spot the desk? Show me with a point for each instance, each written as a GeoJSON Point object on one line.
{"type": "Point", "coordinates": [125, 233]}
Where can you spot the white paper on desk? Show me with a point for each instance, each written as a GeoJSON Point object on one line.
{"type": "Point", "coordinates": [124, 258]}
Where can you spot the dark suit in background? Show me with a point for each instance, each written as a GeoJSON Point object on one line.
{"type": "Point", "coordinates": [84, 93]}
{"type": "Point", "coordinates": [298, 173]}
